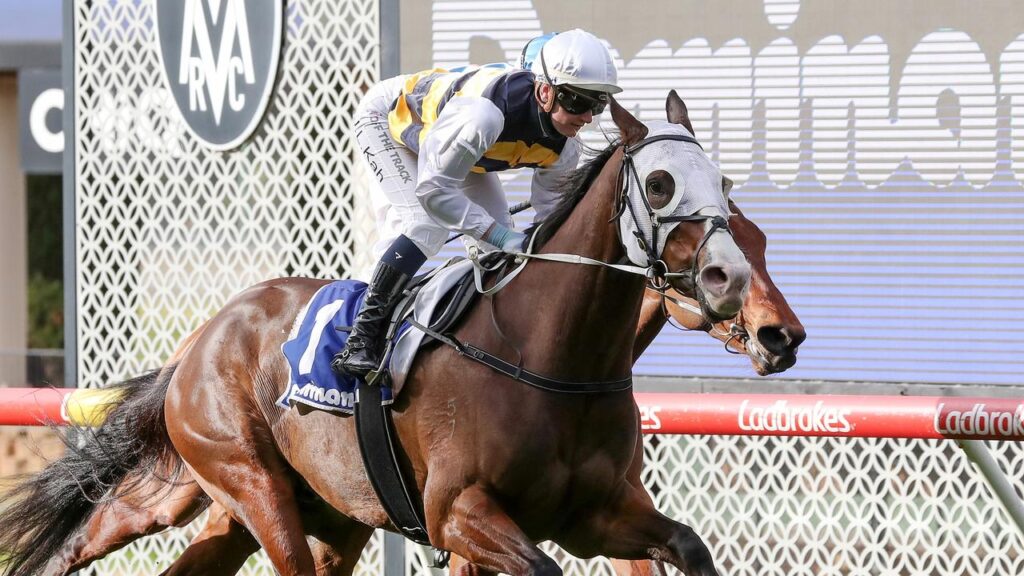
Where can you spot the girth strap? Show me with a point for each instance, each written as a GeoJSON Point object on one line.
{"type": "Point", "coordinates": [377, 443]}
{"type": "Point", "coordinates": [525, 376]}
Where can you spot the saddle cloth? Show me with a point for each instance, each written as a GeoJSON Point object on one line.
{"type": "Point", "coordinates": [315, 339]}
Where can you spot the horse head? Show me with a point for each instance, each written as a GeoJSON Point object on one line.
{"type": "Point", "coordinates": [674, 212]}
{"type": "Point", "coordinates": [769, 331]}
{"type": "Point", "coordinates": [766, 329]}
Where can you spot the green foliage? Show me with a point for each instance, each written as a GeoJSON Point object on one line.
{"type": "Point", "coordinates": [45, 312]}
{"type": "Point", "coordinates": [45, 222]}
{"type": "Point", "coordinates": [45, 262]}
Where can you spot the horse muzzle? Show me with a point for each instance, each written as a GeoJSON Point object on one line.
{"type": "Point", "coordinates": [772, 349]}
{"type": "Point", "coordinates": [722, 289]}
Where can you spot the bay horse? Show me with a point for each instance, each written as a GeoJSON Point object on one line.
{"type": "Point", "coordinates": [766, 329]}
{"type": "Point", "coordinates": [486, 498]}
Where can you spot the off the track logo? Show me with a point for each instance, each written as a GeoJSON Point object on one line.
{"type": "Point", "coordinates": [219, 58]}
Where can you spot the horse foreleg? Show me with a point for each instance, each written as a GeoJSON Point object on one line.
{"type": "Point", "coordinates": [634, 475]}
{"type": "Point", "coordinates": [477, 529]}
{"type": "Point", "coordinates": [631, 528]}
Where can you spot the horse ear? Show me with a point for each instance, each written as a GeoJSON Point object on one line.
{"type": "Point", "coordinates": [632, 130]}
{"type": "Point", "coordinates": [726, 186]}
{"type": "Point", "coordinates": [677, 112]}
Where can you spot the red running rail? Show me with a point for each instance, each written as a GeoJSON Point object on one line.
{"type": "Point", "coordinates": [60, 406]}
{"type": "Point", "coordinates": [714, 414]}
{"type": "Point", "coordinates": [833, 415]}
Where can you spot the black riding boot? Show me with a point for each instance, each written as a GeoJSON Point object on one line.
{"type": "Point", "coordinates": [362, 352]}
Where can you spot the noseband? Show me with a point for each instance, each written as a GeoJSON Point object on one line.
{"type": "Point", "coordinates": [737, 330]}
{"type": "Point", "coordinates": [659, 274]}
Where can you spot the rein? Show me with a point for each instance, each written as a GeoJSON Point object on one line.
{"type": "Point", "coordinates": [656, 272]}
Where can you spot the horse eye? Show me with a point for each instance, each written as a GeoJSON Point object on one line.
{"type": "Point", "coordinates": [660, 187]}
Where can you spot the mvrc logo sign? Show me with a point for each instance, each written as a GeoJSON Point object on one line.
{"type": "Point", "coordinates": [219, 58]}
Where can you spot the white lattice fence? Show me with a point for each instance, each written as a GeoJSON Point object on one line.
{"type": "Point", "coordinates": [168, 229]}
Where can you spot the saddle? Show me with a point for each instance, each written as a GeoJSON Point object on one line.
{"type": "Point", "coordinates": [455, 298]}
{"type": "Point", "coordinates": [435, 302]}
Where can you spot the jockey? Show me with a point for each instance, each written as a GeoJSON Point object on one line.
{"type": "Point", "coordinates": [432, 142]}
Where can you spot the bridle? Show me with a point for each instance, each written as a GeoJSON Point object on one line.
{"type": "Point", "coordinates": [656, 272]}
{"type": "Point", "coordinates": [659, 282]}
{"type": "Point", "coordinates": [737, 330]}
{"type": "Point", "coordinates": [659, 274]}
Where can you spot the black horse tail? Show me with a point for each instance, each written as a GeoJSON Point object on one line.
{"type": "Point", "coordinates": [48, 508]}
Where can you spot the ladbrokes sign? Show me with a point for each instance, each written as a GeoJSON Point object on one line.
{"type": "Point", "coordinates": [958, 419]}
{"type": "Point", "coordinates": [219, 58]}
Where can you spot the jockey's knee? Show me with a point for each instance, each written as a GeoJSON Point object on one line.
{"type": "Point", "coordinates": [429, 237]}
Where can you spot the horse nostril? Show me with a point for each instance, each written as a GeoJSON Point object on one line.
{"type": "Point", "coordinates": [796, 337]}
{"type": "Point", "coordinates": [777, 339]}
{"type": "Point", "coordinates": [714, 279]}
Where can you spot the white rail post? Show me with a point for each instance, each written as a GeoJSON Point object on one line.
{"type": "Point", "coordinates": [978, 453]}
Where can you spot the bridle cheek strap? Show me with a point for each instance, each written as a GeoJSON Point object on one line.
{"type": "Point", "coordinates": [717, 223]}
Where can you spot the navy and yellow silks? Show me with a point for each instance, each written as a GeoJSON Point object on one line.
{"type": "Point", "coordinates": [527, 139]}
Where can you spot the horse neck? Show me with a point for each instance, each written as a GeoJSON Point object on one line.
{"type": "Point", "coordinates": [585, 316]}
{"type": "Point", "coordinates": [652, 320]}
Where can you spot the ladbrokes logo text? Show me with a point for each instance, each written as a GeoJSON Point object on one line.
{"type": "Point", "coordinates": [979, 419]}
{"type": "Point", "coordinates": [781, 416]}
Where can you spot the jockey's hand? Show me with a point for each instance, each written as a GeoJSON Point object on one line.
{"type": "Point", "coordinates": [504, 239]}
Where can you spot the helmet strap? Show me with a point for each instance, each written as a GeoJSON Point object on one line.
{"type": "Point", "coordinates": [548, 106]}
{"type": "Point", "coordinates": [544, 67]}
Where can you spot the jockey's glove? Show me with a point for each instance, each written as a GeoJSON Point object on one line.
{"type": "Point", "coordinates": [505, 239]}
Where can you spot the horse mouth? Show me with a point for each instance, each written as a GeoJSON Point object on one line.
{"type": "Point", "coordinates": [766, 363]}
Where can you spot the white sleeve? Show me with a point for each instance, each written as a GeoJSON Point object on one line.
{"type": "Point", "coordinates": [544, 193]}
{"type": "Point", "coordinates": [464, 130]}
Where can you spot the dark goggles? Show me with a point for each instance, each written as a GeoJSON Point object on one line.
{"type": "Point", "coordinates": [577, 101]}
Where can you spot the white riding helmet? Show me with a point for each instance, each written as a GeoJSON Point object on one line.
{"type": "Point", "coordinates": [579, 59]}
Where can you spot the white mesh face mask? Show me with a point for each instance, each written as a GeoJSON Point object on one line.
{"type": "Point", "coordinates": [698, 186]}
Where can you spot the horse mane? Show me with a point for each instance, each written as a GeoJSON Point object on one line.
{"type": "Point", "coordinates": [572, 188]}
